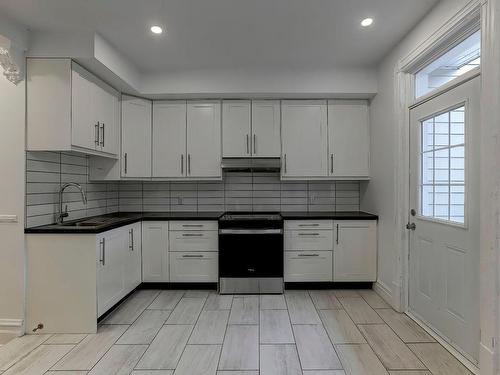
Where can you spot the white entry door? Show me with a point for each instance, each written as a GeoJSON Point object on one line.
{"type": "Point", "coordinates": [444, 198]}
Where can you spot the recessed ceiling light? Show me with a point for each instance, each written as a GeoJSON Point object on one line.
{"type": "Point", "coordinates": [367, 22]}
{"type": "Point", "coordinates": [156, 29]}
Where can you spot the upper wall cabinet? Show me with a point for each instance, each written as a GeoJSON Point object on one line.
{"type": "Point", "coordinates": [304, 139]}
{"type": "Point", "coordinates": [187, 140]}
{"type": "Point", "coordinates": [136, 137]}
{"type": "Point", "coordinates": [348, 139]}
{"type": "Point", "coordinates": [69, 109]}
{"type": "Point", "coordinates": [251, 128]}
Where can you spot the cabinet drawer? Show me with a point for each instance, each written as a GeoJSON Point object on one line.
{"type": "Point", "coordinates": [193, 240]}
{"type": "Point", "coordinates": [308, 266]}
{"type": "Point", "coordinates": [308, 224]}
{"type": "Point", "coordinates": [309, 240]}
{"type": "Point", "coordinates": [194, 267]}
{"type": "Point", "coordinates": [193, 225]}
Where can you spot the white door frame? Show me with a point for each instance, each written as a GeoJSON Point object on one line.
{"type": "Point", "coordinates": [489, 13]}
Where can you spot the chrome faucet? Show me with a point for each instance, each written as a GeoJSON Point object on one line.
{"type": "Point", "coordinates": [64, 214]}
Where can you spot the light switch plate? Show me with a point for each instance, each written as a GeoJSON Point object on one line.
{"type": "Point", "coordinates": [8, 218]}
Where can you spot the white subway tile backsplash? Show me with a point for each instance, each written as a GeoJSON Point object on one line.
{"type": "Point", "coordinates": [262, 191]}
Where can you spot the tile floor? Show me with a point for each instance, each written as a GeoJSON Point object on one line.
{"type": "Point", "coordinates": [317, 332]}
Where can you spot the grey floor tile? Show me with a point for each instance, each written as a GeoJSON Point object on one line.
{"type": "Point", "coordinates": [279, 360]}
{"type": "Point", "coordinates": [301, 308]}
{"type": "Point", "coordinates": [186, 311]}
{"type": "Point", "coordinates": [325, 299]}
{"type": "Point", "coordinates": [245, 310]}
{"type": "Point", "coordinates": [275, 327]}
{"type": "Point", "coordinates": [166, 300]}
{"type": "Point", "coordinates": [438, 360]}
{"type": "Point", "coordinates": [210, 328]}
{"type": "Point", "coordinates": [233, 356]}
{"type": "Point", "coordinates": [359, 311]}
{"type": "Point", "coordinates": [315, 349]}
{"type": "Point", "coordinates": [129, 310]}
{"type": "Point", "coordinates": [373, 299]}
{"type": "Point", "coordinates": [359, 359]}
{"type": "Point", "coordinates": [66, 338]}
{"type": "Point", "coordinates": [39, 360]}
{"type": "Point", "coordinates": [405, 328]}
{"type": "Point", "coordinates": [272, 302]}
{"type": "Point", "coordinates": [199, 360]}
{"type": "Point", "coordinates": [120, 359]}
{"type": "Point", "coordinates": [218, 302]}
{"type": "Point", "coordinates": [340, 327]}
{"type": "Point", "coordinates": [145, 328]}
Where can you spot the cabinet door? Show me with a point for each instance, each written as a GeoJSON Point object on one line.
{"type": "Point", "coordinates": [194, 267]}
{"type": "Point", "coordinates": [236, 132]}
{"type": "Point", "coordinates": [204, 139]}
{"type": "Point", "coordinates": [136, 137]}
{"type": "Point", "coordinates": [348, 139]}
{"type": "Point", "coordinates": [169, 139]}
{"type": "Point", "coordinates": [108, 121]}
{"type": "Point", "coordinates": [308, 266]}
{"type": "Point", "coordinates": [355, 251]}
{"type": "Point", "coordinates": [133, 271]}
{"type": "Point", "coordinates": [266, 129]}
{"type": "Point", "coordinates": [84, 128]}
{"type": "Point", "coordinates": [304, 136]}
{"type": "Point", "coordinates": [110, 269]}
{"type": "Point", "coordinates": [155, 251]}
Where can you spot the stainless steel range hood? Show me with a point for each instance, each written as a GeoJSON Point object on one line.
{"type": "Point", "coordinates": [251, 164]}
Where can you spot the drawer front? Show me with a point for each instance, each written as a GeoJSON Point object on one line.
{"type": "Point", "coordinates": [308, 266]}
{"type": "Point", "coordinates": [308, 224]}
{"type": "Point", "coordinates": [193, 225]}
{"type": "Point", "coordinates": [194, 240]}
{"type": "Point", "coordinates": [309, 240]}
{"type": "Point", "coordinates": [193, 267]}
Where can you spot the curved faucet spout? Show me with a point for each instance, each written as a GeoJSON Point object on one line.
{"type": "Point", "coordinates": [64, 214]}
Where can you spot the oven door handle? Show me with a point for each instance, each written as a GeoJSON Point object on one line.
{"type": "Point", "coordinates": [250, 231]}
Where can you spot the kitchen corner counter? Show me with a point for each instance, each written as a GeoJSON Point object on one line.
{"type": "Point", "coordinates": [335, 215]}
{"type": "Point", "coordinates": [120, 219]}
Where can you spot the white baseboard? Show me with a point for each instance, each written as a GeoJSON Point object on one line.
{"type": "Point", "coordinates": [486, 360]}
{"type": "Point", "coordinates": [15, 326]}
{"type": "Point", "coordinates": [385, 292]}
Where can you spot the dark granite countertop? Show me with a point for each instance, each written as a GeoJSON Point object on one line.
{"type": "Point", "coordinates": [339, 215]}
{"type": "Point", "coordinates": [107, 222]}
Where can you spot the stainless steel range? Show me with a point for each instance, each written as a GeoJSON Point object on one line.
{"type": "Point", "coordinates": [250, 253]}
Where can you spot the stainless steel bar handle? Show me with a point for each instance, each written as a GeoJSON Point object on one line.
{"type": "Point", "coordinates": [308, 234]}
{"type": "Point", "coordinates": [192, 235]}
{"type": "Point", "coordinates": [104, 251]}
{"type": "Point", "coordinates": [131, 239]}
{"type": "Point", "coordinates": [309, 225]}
{"type": "Point", "coordinates": [102, 140]}
{"type": "Point", "coordinates": [192, 256]}
{"type": "Point", "coordinates": [308, 255]}
{"type": "Point", "coordinates": [96, 133]}
{"type": "Point", "coordinates": [284, 162]}
{"type": "Point", "coordinates": [248, 145]}
{"type": "Point", "coordinates": [125, 169]}
{"type": "Point", "coordinates": [337, 240]}
{"type": "Point", "coordinates": [331, 163]}
{"type": "Point", "coordinates": [101, 256]}
{"type": "Point", "coordinates": [182, 163]}
{"type": "Point", "coordinates": [250, 231]}
{"type": "Point", "coordinates": [192, 225]}
{"type": "Point", "coordinates": [254, 144]}
{"type": "Point", "coordinates": [189, 163]}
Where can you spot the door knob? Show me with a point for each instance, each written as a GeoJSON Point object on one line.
{"type": "Point", "coordinates": [411, 226]}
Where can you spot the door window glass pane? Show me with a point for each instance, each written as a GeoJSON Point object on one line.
{"type": "Point", "coordinates": [457, 61]}
{"type": "Point", "coordinates": [442, 166]}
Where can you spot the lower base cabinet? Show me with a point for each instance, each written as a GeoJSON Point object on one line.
{"type": "Point", "coordinates": [180, 251]}
{"type": "Point", "coordinates": [339, 251]}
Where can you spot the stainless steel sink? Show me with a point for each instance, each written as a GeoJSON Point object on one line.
{"type": "Point", "coordinates": [88, 223]}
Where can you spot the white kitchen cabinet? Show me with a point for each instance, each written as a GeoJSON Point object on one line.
{"type": "Point", "coordinates": [236, 128]}
{"type": "Point", "coordinates": [155, 267]}
{"type": "Point", "coordinates": [169, 139]}
{"type": "Point", "coordinates": [309, 239]}
{"type": "Point", "coordinates": [111, 261]}
{"type": "Point", "coordinates": [266, 129]}
{"type": "Point", "coordinates": [136, 137]}
{"type": "Point", "coordinates": [194, 266]}
{"type": "Point", "coordinates": [133, 256]}
{"type": "Point", "coordinates": [355, 250]}
{"type": "Point", "coordinates": [308, 266]}
{"type": "Point", "coordinates": [348, 139]}
{"type": "Point", "coordinates": [304, 139]}
{"type": "Point", "coordinates": [204, 140]}
{"type": "Point", "coordinates": [70, 109]}
{"type": "Point", "coordinates": [194, 240]}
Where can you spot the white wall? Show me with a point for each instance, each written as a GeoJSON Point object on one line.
{"type": "Point", "coordinates": [12, 165]}
{"type": "Point", "coordinates": [380, 194]}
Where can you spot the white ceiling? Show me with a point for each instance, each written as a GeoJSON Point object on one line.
{"type": "Point", "coordinates": [223, 34]}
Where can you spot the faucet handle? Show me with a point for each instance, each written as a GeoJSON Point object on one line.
{"type": "Point", "coordinates": [65, 213]}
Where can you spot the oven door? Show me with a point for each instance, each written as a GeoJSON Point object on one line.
{"type": "Point", "coordinates": [250, 253]}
